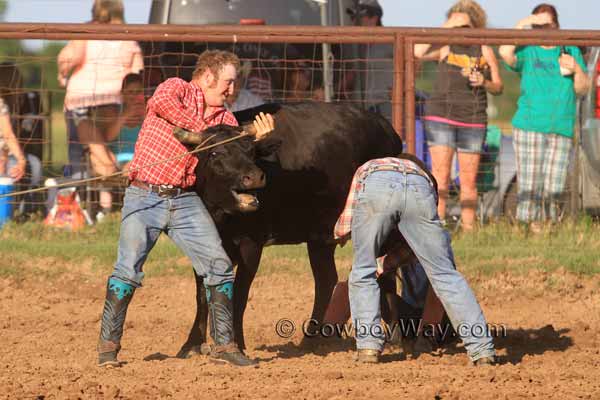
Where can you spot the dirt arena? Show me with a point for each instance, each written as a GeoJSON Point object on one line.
{"type": "Point", "coordinates": [50, 324]}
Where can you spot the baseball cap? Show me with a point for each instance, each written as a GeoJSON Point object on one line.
{"type": "Point", "coordinates": [366, 7]}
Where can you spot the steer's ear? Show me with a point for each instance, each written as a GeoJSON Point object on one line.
{"type": "Point", "coordinates": [267, 146]}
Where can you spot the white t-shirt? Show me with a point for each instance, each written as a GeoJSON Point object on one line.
{"type": "Point", "coordinates": [246, 99]}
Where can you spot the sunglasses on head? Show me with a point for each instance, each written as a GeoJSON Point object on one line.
{"type": "Point", "coordinates": [543, 26]}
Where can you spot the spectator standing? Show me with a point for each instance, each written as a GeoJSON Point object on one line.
{"type": "Point", "coordinates": [551, 79]}
{"type": "Point", "coordinates": [14, 162]}
{"type": "Point", "coordinates": [379, 74]}
{"type": "Point", "coordinates": [299, 85]}
{"type": "Point", "coordinates": [93, 71]}
{"type": "Point", "coordinates": [161, 198]}
{"type": "Point", "coordinates": [455, 113]}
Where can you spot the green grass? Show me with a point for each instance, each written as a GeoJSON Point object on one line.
{"type": "Point", "coordinates": [573, 245]}
{"type": "Point", "coordinates": [496, 248]}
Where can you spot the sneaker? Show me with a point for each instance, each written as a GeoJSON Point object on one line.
{"type": "Point", "coordinates": [100, 216]}
{"type": "Point", "coordinates": [367, 356]}
{"type": "Point", "coordinates": [485, 361]}
{"type": "Point", "coordinates": [230, 354]}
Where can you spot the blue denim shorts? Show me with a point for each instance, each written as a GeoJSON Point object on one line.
{"type": "Point", "coordinates": [463, 139]}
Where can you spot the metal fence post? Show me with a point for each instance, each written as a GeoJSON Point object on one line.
{"type": "Point", "coordinates": [409, 97]}
{"type": "Point", "coordinates": [398, 86]}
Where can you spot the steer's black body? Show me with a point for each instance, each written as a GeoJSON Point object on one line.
{"type": "Point", "coordinates": [307, 181]}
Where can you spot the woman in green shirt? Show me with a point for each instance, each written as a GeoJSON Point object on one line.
{"type": "Point", "coordinates": [551, 79]}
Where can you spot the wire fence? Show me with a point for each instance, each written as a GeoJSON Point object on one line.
{"type": "Point", "coordinates": [372, 68]}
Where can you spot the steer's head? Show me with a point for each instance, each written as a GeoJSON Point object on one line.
{"type": "Point", "coordinates": [227, 176]}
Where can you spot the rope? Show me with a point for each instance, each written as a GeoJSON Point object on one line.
{"type": "Point", "coordinates": [198, 149]}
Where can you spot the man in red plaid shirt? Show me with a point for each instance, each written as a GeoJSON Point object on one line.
{"type": "Point", "coordinates": [161, 198]}
{"type": "Point", "coordinates": [396, 193]}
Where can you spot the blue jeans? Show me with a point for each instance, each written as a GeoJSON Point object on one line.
{"type": "Point", "coordinates": [392, 199]}
{"type": "Point", "coordinates": [74, 146]}
{"type": "Point", "coordinates": [185, 219]}
{"type": "Point", "coordinates": [414, 284]}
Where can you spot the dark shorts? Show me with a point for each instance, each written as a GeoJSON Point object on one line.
{"type": "Point", "coordinates": [100, 115]}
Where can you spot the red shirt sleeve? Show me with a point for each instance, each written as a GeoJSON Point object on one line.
{"type": "Point", "coordinates": [168, 103]}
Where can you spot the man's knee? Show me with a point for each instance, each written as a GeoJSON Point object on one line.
{"type": "Point", "coordinates": [219, 271]}
{"type": "Point", "coordinates": [128, 276]}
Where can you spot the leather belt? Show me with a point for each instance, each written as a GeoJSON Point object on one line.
{"type": "Point", "coordinates": [161, 190]}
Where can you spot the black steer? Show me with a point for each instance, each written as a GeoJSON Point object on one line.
{"type": "Point", "coordinates": [314, 152]}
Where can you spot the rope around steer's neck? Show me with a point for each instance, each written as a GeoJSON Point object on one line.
{"type": "Point", "coordinates": [198, 149]}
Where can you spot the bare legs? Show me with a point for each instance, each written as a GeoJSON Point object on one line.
{"type": "Point", "coordinates": [103, 162]}
{"type": "Point", "coordinates": [468, 164]}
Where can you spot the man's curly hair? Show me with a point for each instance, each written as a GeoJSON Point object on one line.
{"type": "Point", "coordinates": [215, 61]}
{"type": "Point", "coordinates": [475, 12]}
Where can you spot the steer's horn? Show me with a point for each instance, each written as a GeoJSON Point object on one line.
{"type": "Point", "coordinates": [250, 129]}
{"type": "Point", "coordinates": [187, 137]}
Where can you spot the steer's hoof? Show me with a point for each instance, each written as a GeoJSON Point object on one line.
{"type": "Point", "coordinates": [189, 351]}
{"type": "Point", "coordinates": [413, 347]}
{"type": "Point", "coordinates": [206, 349]}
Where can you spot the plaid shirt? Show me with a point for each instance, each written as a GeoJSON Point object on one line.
{"type": "Point", "coordinates": [343, 226]}
{"type": "Point", "coordinates": [175, 103]}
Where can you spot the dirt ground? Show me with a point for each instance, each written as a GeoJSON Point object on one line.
{"type": "Point", "coordinates": [49, 327]}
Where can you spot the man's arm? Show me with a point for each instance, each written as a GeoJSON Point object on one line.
{"type": "Point", "coordinates": [70, 57]}
{"type": "Point", "coordinates": [18, 170]}
{"type": "Point", "coordinates": [507, 52]}
{"type": "Point", "coordinates": [137, 62]}
{"type": "Point", "coordinates": [576, 64]}
{"type": "Point", "coordinates": [581, 81]}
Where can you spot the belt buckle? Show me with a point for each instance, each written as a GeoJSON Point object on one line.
{"type": "Point", "coordinates": [165, 190]}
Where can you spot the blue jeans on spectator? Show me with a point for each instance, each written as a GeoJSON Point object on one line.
{"type": "Point", "coordinates": [185, 219]}
{"type": "Point", "coordinates": [392, 199]}
{"type": "Point", "coordinates": [76, 166]}
{"type": "Point", "coordinates": [28, 203]}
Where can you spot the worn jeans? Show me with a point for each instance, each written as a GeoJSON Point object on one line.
{"type": "Point", "coordinates": [185, 219]}
{"type": "Point", "coordinates": [390, 199]}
